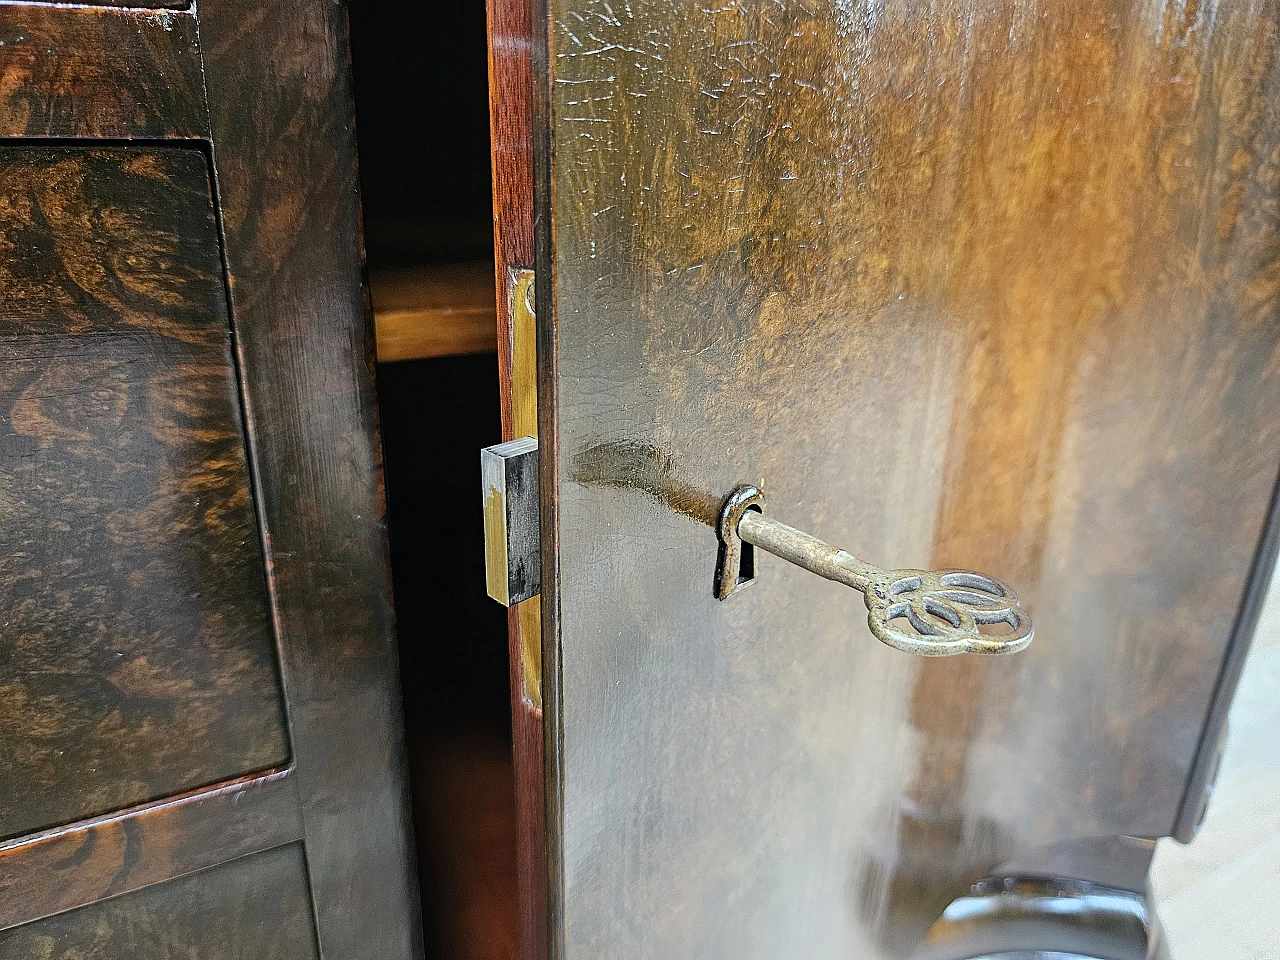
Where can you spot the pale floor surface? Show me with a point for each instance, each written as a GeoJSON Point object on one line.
{"type": "Point", "coordinates": [1219, 897]}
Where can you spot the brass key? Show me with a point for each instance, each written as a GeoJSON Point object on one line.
{"type": "Point", "coordinates": [941, 612]}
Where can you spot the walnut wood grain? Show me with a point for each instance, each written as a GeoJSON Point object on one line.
{"type": "Point", "coordinates": [253, 907]}
{"type": "Point", "coordinates": [284, 158]}
{"type": "Point", "coordinates": [138, 658]}
{"type": "Point", "coordinates": [982, 286]}
{"type": "Point", "coordinates": [84, 72]}
{"type": "Point", "coordinates": [512, 41]}
{"type": "Point", "coordinates": [433, 311]}
{"type": "Point", "coordinates": [69, 867]}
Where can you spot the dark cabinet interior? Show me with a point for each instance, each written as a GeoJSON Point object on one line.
{"type": "Point", "coordinates": [422, 127]}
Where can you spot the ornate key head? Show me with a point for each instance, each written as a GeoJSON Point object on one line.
{"type": "Point", "coordinates": [938, 613]}
{"type": "Point", "coordinates": [926, 612]}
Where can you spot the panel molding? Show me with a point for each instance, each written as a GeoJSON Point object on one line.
{"type": "Point", "coordinates": [256, 907]}
{"type": "Point", "coordinates": [72, 866]}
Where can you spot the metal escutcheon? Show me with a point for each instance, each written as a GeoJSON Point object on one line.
{"type": "Point", "coordinates": [925, 612]}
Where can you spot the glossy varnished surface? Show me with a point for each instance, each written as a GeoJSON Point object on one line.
{"type": "Point", "coordinates": [138, 659]}
{"type": "Point", "coordinates": [256, 907]}
{"type": "Point", "coordinates": [989, 286]}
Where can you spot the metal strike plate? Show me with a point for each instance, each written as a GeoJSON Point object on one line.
{"type": "Point", "coordinates": [512, 544]}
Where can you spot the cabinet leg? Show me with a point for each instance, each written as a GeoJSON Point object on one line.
{"type": "Point", "coordinates": [1080, 900]}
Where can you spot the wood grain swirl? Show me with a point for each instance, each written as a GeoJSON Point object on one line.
{"type": "Point", "coordinates": [138, 659]}
{"type": "Point", "coordinates": [75, 71]}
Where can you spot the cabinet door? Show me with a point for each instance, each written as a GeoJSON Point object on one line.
{"type": "Point", "coordinates": [990, 286]}
{"type": "Point", "coordinates": [200, 742]}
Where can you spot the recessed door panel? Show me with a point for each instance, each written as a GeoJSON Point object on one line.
{"type": "Point", "coordinates": [137, 658]}
{"type": "Point", "coordinates": [257, 907]}
{"type": "Point", "coordinates": [957, 285]}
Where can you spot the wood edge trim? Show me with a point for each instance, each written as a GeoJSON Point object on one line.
{"type": "Point", "coordinates": [294, 260]}
{"type": "Point", "coordinates": [543, 56]}
{"type": "Point", "coordinates": [1186, 822]}
{"type": "Point", "coordinates": [71, 866]}
{"type": "Point", "coordinates": [511, 34]}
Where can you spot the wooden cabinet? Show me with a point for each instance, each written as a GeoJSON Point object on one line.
{"type": "Point", "coordinates": [955, 286]}
{"type": "Point", "coordinates": [201, 747]}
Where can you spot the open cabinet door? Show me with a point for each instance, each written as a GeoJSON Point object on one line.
{"type": "Point", "coordinates": [200, 736]}
{"type": "Point", "coordinates": [988, 286]}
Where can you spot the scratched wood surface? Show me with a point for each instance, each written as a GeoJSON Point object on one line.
{"type": "Point", "coordinates": [158, 5]}
{"type": "Point", "coordinates": [138, 659]}
{"type": "Point", "coordinates": [256, 907]}
{"type": "Point", "coordinates": [983, 285]}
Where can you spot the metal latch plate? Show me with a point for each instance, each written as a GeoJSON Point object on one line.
{"type": "Point", "coordinates": [512, 543]}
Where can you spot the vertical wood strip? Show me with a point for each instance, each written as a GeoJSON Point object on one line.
{"type": "Point", "coordinates": [278, 78]}
{"type": "Point", "coordinates": [511, 134]}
